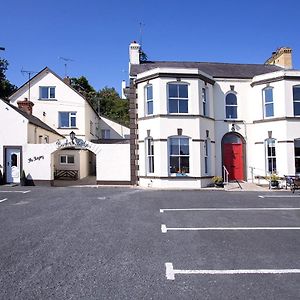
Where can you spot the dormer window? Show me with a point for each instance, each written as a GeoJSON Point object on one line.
{"type": "Point", "coordinates": [47, 92]}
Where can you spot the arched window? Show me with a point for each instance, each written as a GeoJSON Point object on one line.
{"type": "Point", "coordinates": [179, 154]}
{"type": "Point", "coordinates": [231, 106]}
{"type": "Point", "coordinates": [296, 100]}
{"type": "Point", "coordinates": [178, 98]}
{"type": "Point", "coordinates": [150, 155]}
{"type": "Point", "coordinates": [271, 156]}
{"type": "Point", "coordinates": [268, 103]}
{"type": "Point", "coordinates": [149, 99]}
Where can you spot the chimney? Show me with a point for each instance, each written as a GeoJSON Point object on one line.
{"type": "Point", "coordinates": [123, 89]}
{"type": "Point", "coordinates": [134, 53]}
{"type": "Point", "coordinates": [67, 80]}
{"type": "Point", "coordinates": [25, 105]}
{"type": "Point", "coordinates": [282, 57]}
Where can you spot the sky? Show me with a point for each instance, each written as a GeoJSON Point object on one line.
{"type": "Point", "coordinates": [94, 35]}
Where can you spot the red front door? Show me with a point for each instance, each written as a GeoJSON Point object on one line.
{"type": "Point", "coordinates": [233, 160]}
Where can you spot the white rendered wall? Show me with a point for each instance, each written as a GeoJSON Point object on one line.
{"type": "Point", "coordinates": [117, 131]}
{"type": "Point", "coordinates": [113, 162]}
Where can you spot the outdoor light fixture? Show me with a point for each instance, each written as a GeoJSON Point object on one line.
{"type": "Point", "coordinates": [72, 136]}
{"type": "Point", "coordinates": [233, 127]}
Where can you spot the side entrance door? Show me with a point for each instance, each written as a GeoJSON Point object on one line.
{"type": "Point", "coordinates": [12, 167]}
{"type": "Point", "coordinates": [233, 160]}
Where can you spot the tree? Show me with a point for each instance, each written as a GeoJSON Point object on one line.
{"type": "Point", "coordinates": [6, 88]}
{"type": "Point", "coordinates": [112, 106]}
{"type": "Point", "coordinates": [83, 86]}
{"type": "Point", "coordinates": [106, 102]}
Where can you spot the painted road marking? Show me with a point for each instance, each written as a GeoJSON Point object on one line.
{"type": "Point", "coordinates": [228, 209]}
{"type": "Point", "coordinates": [170, 271]}
{"type": "Point", "coordinates": [165, 229]}
{"type": "Point", "coordinates": [277, 196]}
{"type": "Point", "coordinates": [23, 192]}
{"type": "Point", "coordinates": [101, 198]}
{"type": "Point", "coordinates": [3, 200]}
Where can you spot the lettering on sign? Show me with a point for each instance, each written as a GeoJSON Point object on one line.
{"type": "Point", "coordinates": [77, 143]}
{"type": "Point", "coordinates": [35, 158]}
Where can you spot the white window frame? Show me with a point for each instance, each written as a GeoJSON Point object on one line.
{"type": "Point", "coordinates": [72, 115]}
{"type": "Point", "coordinates": [207, 156]}
{"type": "Point", "coordinates": [296, 156]}
{"type": "Point", "coordinates": [67, 156]}
{"type": "Point", "coordinates": [231, 105]}
{"type": "Point", "coordinates": [178, 99]}
{"type": "Point", "coordinates": [150, 156]}
{"type": "Point", "coordinates": [271, 156]}
{"type": "Point", "coordinates": [148, 100]}
{"type": "Point", "coordinates": [205, 102]}
{"type": "Point", "coordinates": [267, 103]}
{"type": "Point", "coordinates": [49, 88]}
{"type": "Point", "coordinates": [180, 171]}
{"type": "Point", "coordinates": [295, 100]}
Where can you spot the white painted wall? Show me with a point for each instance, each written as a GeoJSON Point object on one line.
{"type": "Point", "coordinates": [117, 131]}
{"type": "Point", "coordinates": [113, 162]}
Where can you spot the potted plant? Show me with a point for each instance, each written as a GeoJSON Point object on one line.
{"type": "Point", "coordinates": [273, 178]}
{"type": "Point", "coordinates": [218, 181]}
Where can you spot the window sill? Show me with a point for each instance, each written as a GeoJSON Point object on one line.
{"type": "Point", "coordinates": [47, 99]}
{"type": "Point", "coordinates": [67, 127]}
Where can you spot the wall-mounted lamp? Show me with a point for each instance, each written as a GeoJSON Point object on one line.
{"type": "Point", "coordinates": [233, 127]}
{"type": "Point", "coordinates": [72, 136]}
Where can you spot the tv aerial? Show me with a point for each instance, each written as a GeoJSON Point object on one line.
{"type": "Point", "coordinates": [28, 73]}
{"type": "Point", "coordinates": [66, 61]}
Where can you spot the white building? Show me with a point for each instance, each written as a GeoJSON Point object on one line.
{"type": "Point", "coordinates": [85, 143]}
{"type": "Point", "coordinates": [191, 121]}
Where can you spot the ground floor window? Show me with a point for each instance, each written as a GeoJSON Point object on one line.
{"type": "Point", "coordinates": [206, 156]}
{"type": "Point", "coordinates": [270, 156]}
{"type": "Point", "coordinates": [179, 157]}
{"type": "Point", "coordinates": [150, 155]}
{"type": "Point", "coordinates": [297, 156]}
{"type": "Point", "coordinates": [67, 159]}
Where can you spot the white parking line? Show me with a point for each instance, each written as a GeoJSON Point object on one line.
{"type": "Point", "coordinates": [3, 200]}
{"type": "Point", "coordinates": [228, 209]}
{"type": "Point", "coordinates": [23, 192]}
{"type": "Point", "coordinates": [165, 229]}
{"type": "Point", "coordinates": [278, 196]}
{"type": "Point", "coordinates": [170, 271]}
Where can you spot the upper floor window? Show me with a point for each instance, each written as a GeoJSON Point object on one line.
{"type": "Point", "coordinates": [150, 155]}
{"type": "Point", "coordinates": [179, 157]}
{"type": "Point", "coordinates": [91, 127]}
{"type": "Point", "coordinates": [178, 98]}
{"type": "Point", "coordinates": [270, 155]}
{"type": "Point", "coordinates": [47, 92]}
{"type": "Point", "coordinates": [105, 133]}
{"type": "Point", "coordinates": [268, 102]}
{"type": "Point", "coordinates": [296, 100]}
{"type": "Point", "coordinates": [204, 102]}
{"type": "Point", "coordinates": [67, 119]}
{"type": "Point", "coordinates": [231, 106]}
{"type": "Point", "coordinates": [149, 99]}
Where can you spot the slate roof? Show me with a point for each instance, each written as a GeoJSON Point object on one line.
{"type": "Point", "coordinates": [214, 69]}
{"type": "Point", "coordinates": [32, 119]}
